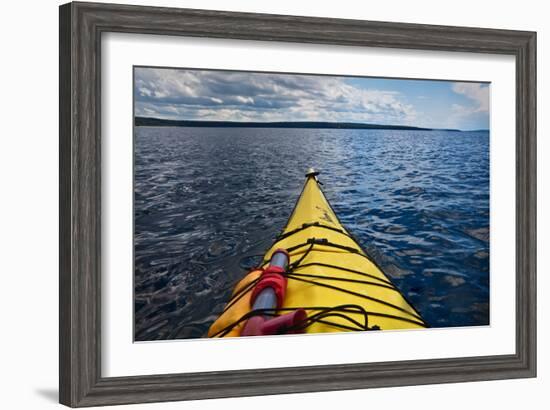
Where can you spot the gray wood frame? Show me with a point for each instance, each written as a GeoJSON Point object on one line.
{"type": "Point", "coordinates": [81, 26]}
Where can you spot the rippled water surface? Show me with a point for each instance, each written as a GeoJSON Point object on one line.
{"type": "Point", "coordinates": [206, 199]}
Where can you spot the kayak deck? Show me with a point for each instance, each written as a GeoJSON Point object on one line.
{"type": "Point", "coordinates": [330, 276]}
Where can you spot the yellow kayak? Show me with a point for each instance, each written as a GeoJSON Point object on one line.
{"type": "Point", "coordinates": [325, 283]}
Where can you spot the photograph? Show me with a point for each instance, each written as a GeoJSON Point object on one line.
{"type": "Point", "coordinates": [275, 204]}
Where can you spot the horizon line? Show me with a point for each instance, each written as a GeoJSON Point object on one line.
{"type": "Point", "coordinates": [152, 121]}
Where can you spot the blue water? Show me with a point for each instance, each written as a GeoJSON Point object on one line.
{"type": "Point", "coordinates": [206, 199]}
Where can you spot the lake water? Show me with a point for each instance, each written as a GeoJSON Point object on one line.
{"type": "Point", "coordinates": [208, 199]}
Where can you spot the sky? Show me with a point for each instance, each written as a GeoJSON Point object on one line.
{"type": "Point", "coordinates": [213, 95]}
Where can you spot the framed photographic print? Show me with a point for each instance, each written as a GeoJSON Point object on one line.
{"type": "Point", "coordinates": [258, 204]}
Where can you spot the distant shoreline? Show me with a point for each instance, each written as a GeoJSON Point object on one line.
{"type": "Point", "coordinates": [159, 122]}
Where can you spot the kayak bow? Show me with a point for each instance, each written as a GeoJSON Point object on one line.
{"type": "Point", "coordinates": [329, 283]}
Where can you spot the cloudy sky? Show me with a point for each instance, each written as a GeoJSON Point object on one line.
{"type": "Point", "coordinates": [248, 96]}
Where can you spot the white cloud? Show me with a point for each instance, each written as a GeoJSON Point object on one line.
{"type": "Point", "coordinates": [245, 100]}
{"type": "Point", "coordinates": [477, 92]}
{"type": "Point", "coordinates": [242, 96]}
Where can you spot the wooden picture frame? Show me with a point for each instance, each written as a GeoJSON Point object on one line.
{"type": "Point", "coordinates": [81, 27]}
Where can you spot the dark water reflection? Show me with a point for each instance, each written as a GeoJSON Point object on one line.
{"type": "Point", "coordinates": [205, 198]}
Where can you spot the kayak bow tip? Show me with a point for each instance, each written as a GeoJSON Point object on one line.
{"type": "Point", "coordinates": [311, 172]}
